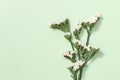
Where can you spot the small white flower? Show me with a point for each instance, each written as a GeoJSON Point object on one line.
{"type": "Point", "coordinates": [98, 15]}
{"type": "Point", "coordinates": [67, 34]}
{"type": "Point", "coordinates": [93, 19]}
{"type": "Point", "coordinates": [72, 52]}
{"type": "Point", "coordinates": [87, 48]}
{"type": "Point", "coordinates": [69, 54]}
{"type": "Point", "coordinates": [75, 66]}
{"type": "Point", "coordinates": [93, 48]}
{"type": "Point", "coordinates": [80, 62]}
{"type": "Point", "coordinates": [79, 42]}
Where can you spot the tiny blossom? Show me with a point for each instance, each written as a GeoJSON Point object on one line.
{"type": "Point", "coordinates": [87, 48]}
{"type": "Point", "coordinates": [69, 54]}
{"type": "Point", "coordinates": [72, 52]}
{"type": "Point", "coordinates": [79, 42]}
{"type": "Point", "coordinates": [80, 62]}
{"type": "Point", "coordinates": [93, 19]}
{"type": "Point", "coordinates": [67, 34]}
{"type": "Point", "coordinates": [75, 66]}
{"type": "Point", "coordinates": [94, 48]}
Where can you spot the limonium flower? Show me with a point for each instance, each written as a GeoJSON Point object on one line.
{"type": "Point", "coordinates": [78, 42]}
{"type": "Point", "coordinates": [94, 19]}
{"type": "Point", "coordinates": [81, 52]}
{"type": "Point", "coordinates": [77, 30]}
{"type": "Point", "coordinates": [87, 48]}
{"type": "Point", "coordinates": [69, 54]}
{"type": "Point", "coordinates": [75, 66]}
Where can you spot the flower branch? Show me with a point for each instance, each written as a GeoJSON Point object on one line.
{"type": "Point", "coordinates": [81, 52]}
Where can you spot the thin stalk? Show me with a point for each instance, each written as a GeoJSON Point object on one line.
{"type": "Point", "coordinates": [81, 70]}
{"type": "Point", "coordinates": [75, 76]}
{"type": "Point", "coordinates": [72, 46]}
{"type": "Point", "coordinates": [88, 38]}
{"type": "Point", "coordinates": [80, 75]}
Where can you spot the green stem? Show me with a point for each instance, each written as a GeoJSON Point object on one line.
{"type": "Point", "coordinates": [72, 46]}
{"type": "Point", "coordinates": [80, 73]}
{"type": "Point", "coordinates": [81, 70]}
{"type": "Point", "coordinates": [75, 76]}
{"type": "Point", "coordinates": [88, 38]}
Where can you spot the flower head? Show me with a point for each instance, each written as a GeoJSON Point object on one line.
{"type": "Point", "coordinates": [94, 19]}
{"type": "Point", "coordinates": [75, 66]}
{"type": "Point", "coordinates": [69, 54]}
{"type": "Point", "coordinates": [87, 48]}
{"type": "Point", "coordinates": [93, 48]}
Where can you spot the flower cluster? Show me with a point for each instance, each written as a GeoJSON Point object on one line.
{"type": "Point", "coordinates": [78, 44]}
{"type": "Point", "coordinates": [94, 19]}
{"type": "Point", "coordinates": [70, 55]}
{"type": "Point", "coordinates": [77, 30]}
{"type": "Point", "coordinates": [81, 52]}
{"type": "Point", "coordinates": [63, 26]}
{"type": "Point", "coordinates": [75, 66]}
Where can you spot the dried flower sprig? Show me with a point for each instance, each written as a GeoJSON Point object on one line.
{"type": "Point", "coordinates": [81, 52]}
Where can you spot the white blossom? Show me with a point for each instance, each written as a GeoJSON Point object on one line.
{"type": "Point", "coordinates": [69, 54]}
{"type": "Point", "coordinates": [79, 42]}
{"type": "Point", "coordinates": [75, 66]}
{"type": "Point", "coordinates": [93, 19]}
{"type": "Point", "coordinates": [93, 48]}
{"type": "Point", "coordinates": [67, 34]}
{"type": "Point", "coordinates": [87, 47]}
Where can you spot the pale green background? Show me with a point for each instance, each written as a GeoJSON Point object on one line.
{"type": "Point", "coordinates": [30, 50]}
